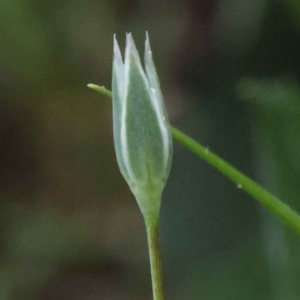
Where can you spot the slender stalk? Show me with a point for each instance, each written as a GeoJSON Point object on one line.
{"type": "Point", "coordinates": [272, 203]}
{"type": "Point", "coordinates": [286, 214]}
{"type": "Point", "coordinates": [155, 261]}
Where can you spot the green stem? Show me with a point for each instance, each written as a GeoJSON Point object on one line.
{"type": "Point", "coordinates": [274, 204]}
{"type": "Point", "coordinates": [155, 261]}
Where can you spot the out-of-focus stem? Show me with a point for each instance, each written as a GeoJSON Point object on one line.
{"type": "Point", "coordinates": [155, 261]}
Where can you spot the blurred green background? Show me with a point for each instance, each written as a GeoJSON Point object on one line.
{"type": "Point", "coordinates": [69, 227]}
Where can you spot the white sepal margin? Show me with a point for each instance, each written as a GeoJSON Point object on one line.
{"type": "Point", "coordinates": [158, 102]}
{"type": "Point", "coordinates": [144, 165]}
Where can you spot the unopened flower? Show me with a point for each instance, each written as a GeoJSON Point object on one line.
{"type": "Point", "coordinates": [142, 136]}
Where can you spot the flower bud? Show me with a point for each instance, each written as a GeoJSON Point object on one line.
{"type": "Point", "coordinates": [142, 135]}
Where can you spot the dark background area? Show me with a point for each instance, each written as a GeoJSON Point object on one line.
{"type": "Point", "coordinates": [69, 226]}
